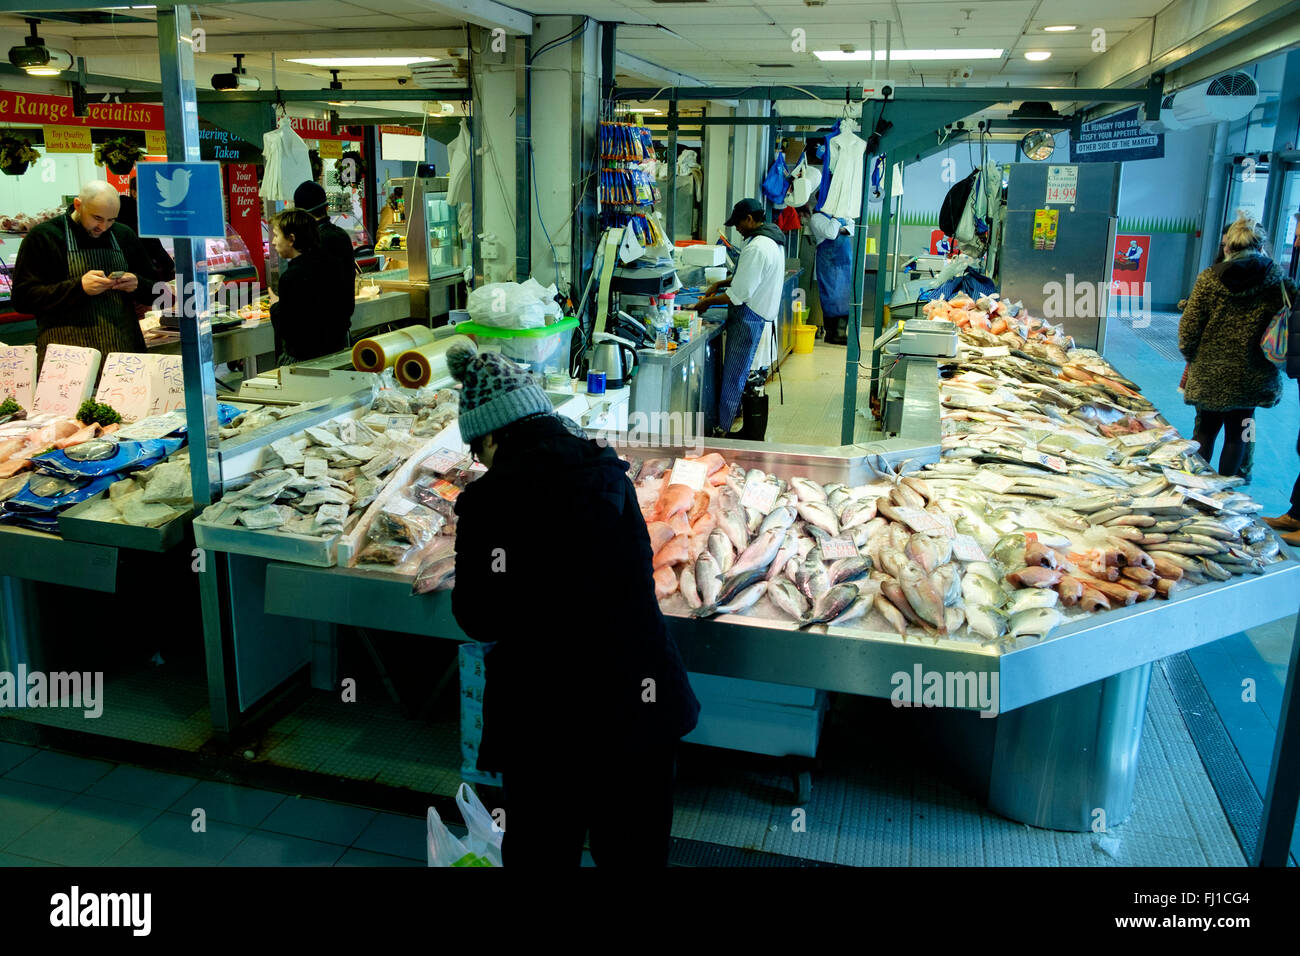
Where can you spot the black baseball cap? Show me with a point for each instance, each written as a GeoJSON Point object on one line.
{"type": "Point", "coordinates": [746, 207]}
{"type": "Point", "coordinates": [310, 197]}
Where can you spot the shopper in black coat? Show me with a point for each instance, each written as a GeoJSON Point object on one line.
{"type": "Point", "coordinates": [335, 243]}
{"type": "Point", "coordinates": [1228, 375]}
{"type": "Point", "coordinates": [305, 321]}
{"type": "Point", "coordinates": [586, 694]}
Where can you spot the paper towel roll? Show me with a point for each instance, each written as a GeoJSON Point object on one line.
{"type": "Point", "coordinates": [427, 364]}
{"type": "Point", "coordinates": [378, 353]}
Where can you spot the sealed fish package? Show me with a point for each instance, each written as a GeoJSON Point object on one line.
{"type": "Point", "coordinates": [398, 531]}
{"type": "Point", "coordinates": [98, 457]}
{"type": "Point", "coordinates": [51, 493]}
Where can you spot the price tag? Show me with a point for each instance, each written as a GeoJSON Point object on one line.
{"type": "Point", "coordinates": [966, 548]}
{"type": "Point", "coordinates": [401, 423]}
{"type": "Point", "coordinates": [1141, 438]}
{"type": "Point", "coordinates": [315, 467]}
{"type": "Point", "coordinates": [443, 460]}
{"type": "Point", "coordinates": [1204, 499]}
{"type": "Point", "coordinates": [995, 351]}
{"type": "Point", "coordinates": [1035, 456]}
{"type": "Point", "coordinates": [945, 523]}
{"type": "Point", "coordinates": [690, 473]}
{"type": "Point", "coordinates": [993, 482]}
{"type": "Point", "coordinates": [922, 521]}
{"type": "Point", "coordinates": [399, 506]}
{"type": "Point", "coordinates": [1062, 185]}
{"type": "Point", "coordinates": [759, 495]}
{"type": "Point", "coordinates": [835, 548]}
{"type": "Point", "coordinates": [289, 453]}
{"type": "Point", "coordinates": [1186, 480]}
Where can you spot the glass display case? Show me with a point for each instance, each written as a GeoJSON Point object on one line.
{"type": "Point", "coordinates": [442, 230]}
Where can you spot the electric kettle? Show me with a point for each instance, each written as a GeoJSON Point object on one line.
{"type": "Point", "coordinates": [607, 354]}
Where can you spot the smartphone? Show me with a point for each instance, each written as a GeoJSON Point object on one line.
{"type": "Point", "coordinates": [116, 275]}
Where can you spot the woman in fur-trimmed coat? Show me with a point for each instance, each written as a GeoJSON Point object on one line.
{"type": "Point", "coordinates": [1228, 376]}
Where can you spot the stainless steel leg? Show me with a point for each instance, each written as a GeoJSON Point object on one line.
{"type": "Point", "coordinates": [1070, 762]}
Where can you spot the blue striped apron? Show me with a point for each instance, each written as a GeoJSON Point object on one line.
{"type": "Point", "coordinates": [744, 329]}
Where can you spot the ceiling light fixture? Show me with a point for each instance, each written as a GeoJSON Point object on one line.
{"type": "Point", "coordinates": [237, 79]}
{"type": "Point", "coordinates": [36, 59]}
{"type": "Point", "coordinates": [962, 53]}
{"type": "Point", "coordinates": [1037, 55]}
{"type": "Point", "coordinates": [1063, 28]}
{"type": "Point", "coordinates": [346, 61]}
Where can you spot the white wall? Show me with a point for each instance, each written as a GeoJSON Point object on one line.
{"type": "Point", "coordinates": [46, 182]}
{"type": "Point", "coordinates": [494, 84]}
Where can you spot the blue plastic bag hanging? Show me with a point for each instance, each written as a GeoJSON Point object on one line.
{"type": "Point", "coordinates": [776, 183]}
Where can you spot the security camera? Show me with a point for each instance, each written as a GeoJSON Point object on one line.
{"type": "Point", "coordinates": [403, 80]}
{"type": "Point", "coordinates": [236, 79]}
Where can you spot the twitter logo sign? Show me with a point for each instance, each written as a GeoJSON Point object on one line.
{"type": "Point", "coordinates": [180, 200]}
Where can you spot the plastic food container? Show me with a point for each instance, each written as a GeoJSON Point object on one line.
{"type": "Point", "coordinates": [542, 350]}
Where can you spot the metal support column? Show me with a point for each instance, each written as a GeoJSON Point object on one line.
{"type": "Point", "coordinates": [1283, 793]}
{"type": "Point", "coordinates": [523, 167]}
{"type": "Point", "coordinates": [180, 109]}
{"type": "Point", "coordinates": [671, 218]}
{"type": "Point", "coordinates": [371, 183]}
{"type": "Point", "coordinates": [853, 354]}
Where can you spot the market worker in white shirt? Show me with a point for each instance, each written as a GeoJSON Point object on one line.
{"type": "Point", "coordinates": [753, 298]}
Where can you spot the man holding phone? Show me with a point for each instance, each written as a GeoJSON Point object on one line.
{"type": "Point", "coordinates": [81, 276]}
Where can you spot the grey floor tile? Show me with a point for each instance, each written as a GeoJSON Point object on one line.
{"type": "Point", "coordinates": [24, 805]}
{"type": "Point", "coordinates": [172, 841]}
{"type": "Point", "coordinates": [62, 771]}
{"type": "Point", "coordinates": [355, 857]}
{"type": "Point", "coordinates": [318, 820]}
{"type": "Point", "coordinates": [84, 832]}
{"type": "Point", "coordinates": [394, 835]}
{"type": "Point", "coordinates": [147, 788]}
{"type": "Point", "coordinates": [228, 803]}
{"type": "Point", "coordinates": [273, 849]}
{"type": "Point", "coordinates": [11, 755]}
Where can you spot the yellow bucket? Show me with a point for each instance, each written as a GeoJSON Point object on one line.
{"type": "Point", "coordinates": [803, 339]}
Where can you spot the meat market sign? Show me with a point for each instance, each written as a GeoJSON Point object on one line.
{"type": "Point", "coordinates": [44, 110]}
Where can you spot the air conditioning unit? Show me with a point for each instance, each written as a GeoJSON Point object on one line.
{"type": "Point", "coordinates": [1224, 98]}
{"type": "Point", "coordinates": [440, 75]}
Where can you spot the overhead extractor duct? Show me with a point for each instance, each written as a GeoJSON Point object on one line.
{"type": "Point", "coordinates": [1226, 97]}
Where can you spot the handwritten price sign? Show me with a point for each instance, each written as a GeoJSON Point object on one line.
{"type": "Point", "coordinates": [67, 379]}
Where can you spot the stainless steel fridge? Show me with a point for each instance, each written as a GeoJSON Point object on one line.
{"type": "Point", "coordinates": [1064, 278]}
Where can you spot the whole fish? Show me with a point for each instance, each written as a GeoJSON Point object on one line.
{"type": "Point", "coordinates": [1070, 590]}
{"type": "Point", "coordinates": [921, 487]}
{"type": "Point", "coordinates": [929, 553]}
{"type": "Point", "coordinates": [753, 520]}
{"type": "Point", "coordinates": [708, 578]}
{"type": "Point", "coordinates": [892, 561]}
{"type": "Point", "coordinates": [720, 547]}
{"type": "Point", "coordinates": [892, 615]}
{"type": "Point", "coordinates": [839, 500]}
{"type": "Point", "coordinates": [760, 553]}
{"type": "Point", "coordinates": [780, 518]}
{"type": "Point", "coordinates": [848, 569]}
{"type": "Point", "coordinates": [985, 621]}
{"type": "Point", "coordinates": [1034, 578]}
{"type": "Point", "coordinates": [831, 605]}
{"type": "Point", "coordinates": [686, 585]}
{"type": "Point", "coordinates": [808, 490]}
{"type": "Point", "coordinates": [740, 602]}
{"type": "Point", "coordinates": [787, 599]}
{"type": "Point", "coordinates": [734, 583]}
{"type": "Point", "coordinates": [819, 515]}
{"type": "Point", "coordinates": [978, 589]}
{"type": "Point", "coordinates": [789, 549]}
{"type": "Point", "coordinates": [1034, 622]}
{"type": "Point", "coordinates": [947, 581]}
{"type": "Point", "coordinates": [1027, 598]}
{"type": "Point", "coordinates": [732, 523]}
{"type": "Point", "coordinates": [921, 595]}
{"type": "Point", "coordinates": [905, 497]}
{"type": "Point", "coordinates": [811, 579]}
{"type": "Point", "coordinates": [860, 606]}
{"type": "Point", "coordinates": [857, 513]}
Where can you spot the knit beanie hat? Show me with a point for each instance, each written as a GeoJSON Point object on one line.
{"type": "Point", "coordinates": [496, 392]}
{"type": "Point", "coordinates": [311, 198]}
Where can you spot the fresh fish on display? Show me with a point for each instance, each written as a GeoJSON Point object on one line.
{"type": "Point", "coordinates": [744, 600]}
{"type": "Point", "coordinates": [808, 491]}
{"type": "Point", "coordinates": [986, 622]}
{"type": "Point", "coordinates": [1034, 622]}
{"type": "Point", "coordinates": [780, 517]}
{"type": "Point", "coordinates": [686, 587]}
{"type": "Point", "coordinates": [819, 515]}
{"type": "Point", "coordinates": [812, 579]}
{"type": "Point", "coordinates": [708, 578]}
{"type": "Point", "coordinates": [759, 554]}
{"type": "Point", "coordinates": [848, 569]}
{"type": "Point", "coordinates": [719, 545]}
{"type": "Point", "coordinates": [787, 599]}
{"type": "Point", "coordinates": [732, 523]}
{"type": "Point", "coordinates": [981, 590]}
{"type": "Point", "coordinates": [788, 551]}
{"type": "Point", "coordinates": [922, 596]}
{"type": "Point", "coordinates": [831, 605]}
{"type": "Point", "coordinates": [1027, 598]}
{"type": "Point", "coordinates": [891, 614]}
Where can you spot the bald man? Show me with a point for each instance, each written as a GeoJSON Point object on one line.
{"type": "Point", "coordinates": [82, 275]}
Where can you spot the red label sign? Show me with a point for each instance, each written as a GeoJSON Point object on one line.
{"type": "Point", "coordinates": [245, 215]}
{"type": "Point", "coordinates": [47, 110]}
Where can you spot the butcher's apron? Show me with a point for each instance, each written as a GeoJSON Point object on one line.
{"type": "Point", "coordinates": [106, 321]}
{"type": "Point", "coordinates": [744, 329]}
{"type": "Point", "coordinates": [834, 269]}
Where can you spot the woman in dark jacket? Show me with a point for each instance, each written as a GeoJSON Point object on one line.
{"type": "Point", "coordinates": [1228, 376]}
{"type": "Point", "coordinates": [586, 694]}
{"type": "Point", "coordinates": [302, 311]}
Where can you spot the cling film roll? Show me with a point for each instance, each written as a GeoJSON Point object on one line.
{"type": "Point", "coordinates": [378, 353]}
{"type": "Point", "coordinates": [427, 364]}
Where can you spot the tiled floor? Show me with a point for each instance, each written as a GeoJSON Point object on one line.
{"type": "Point", "coordinates": [814, 398]}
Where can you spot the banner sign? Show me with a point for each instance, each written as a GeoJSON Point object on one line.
{"type": "Point", "coordinates": [310, 128]}
{"type": "Point", "coordinates": [1117, 138]}
{"type": "Point", "coordinates": [246, 211]}
{"type": "Point", "coordinates": [45, 110]}
{"type": "Point", "coordinates": [225, 147]}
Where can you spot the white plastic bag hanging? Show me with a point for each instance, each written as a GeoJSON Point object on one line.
{"type": "Point", "coordinates": [481, 846]}
{"type": "Point", "coordinates": [505, 305]}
